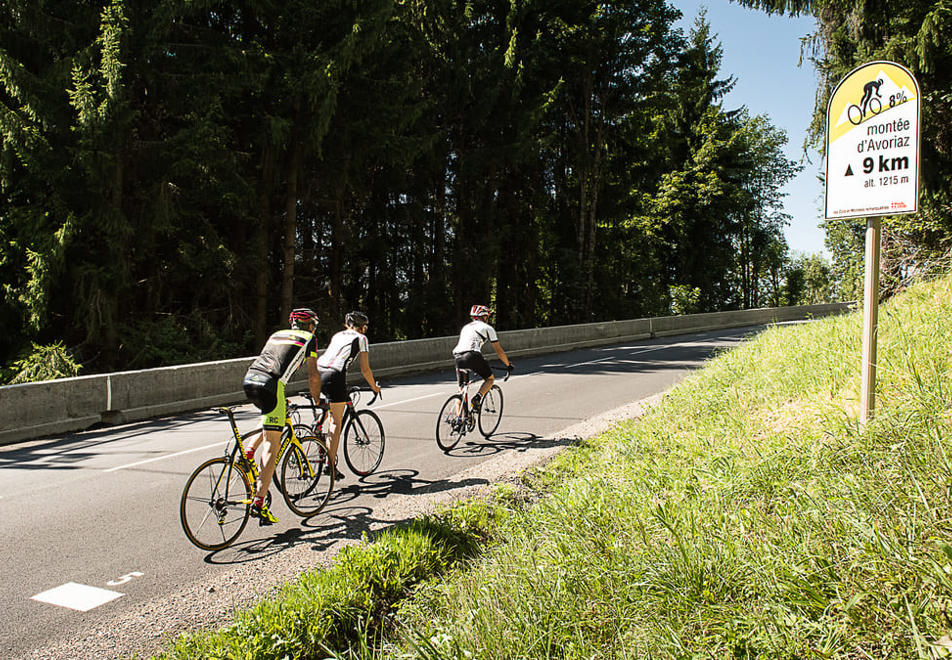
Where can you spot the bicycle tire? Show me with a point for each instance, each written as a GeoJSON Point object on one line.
{"type": "Point", "coordinates": [307, 488]}
{"type": "Point", "coordinates": [857, 112]}
{"type": "Point", "coordinates": [364, 442]}
{"type": "Point", "coordinates": [215, 504]}
{"type": "Point", "coordinates": [490, 411]}
{"type": "Point", "coordinates": [449, 426]}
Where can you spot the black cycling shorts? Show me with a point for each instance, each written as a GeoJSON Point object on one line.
{"type": "Point", "coordinates": [261, 389]}
{"type": "Point", "coordinates": [334, 385]}
{"type": "Point", "coordinates": [474, 361]}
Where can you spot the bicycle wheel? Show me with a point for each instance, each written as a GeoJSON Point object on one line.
{"type": "Point", "coordinates": [490, 411]}
{"type": "Point", "coordinates": [215, 504]}
{"type": "Point", "coordinates": [364, 442]}
{"type": "Point", "coordinates": [306, 487]}
{"type": "Point", "coordinates": [855, 114]}
{"type": "Point", "coordinates": [450, 426]}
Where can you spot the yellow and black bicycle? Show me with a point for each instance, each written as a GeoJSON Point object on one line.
{"type": "Point", "coordinates": [216, 501]}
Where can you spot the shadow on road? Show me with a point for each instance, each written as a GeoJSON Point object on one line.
{"type": "Point", "coordinates": [345, 517]}
{"type": "Point", "coordinates": [507, 441]}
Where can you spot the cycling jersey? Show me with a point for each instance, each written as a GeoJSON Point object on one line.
{"type": "Point", "coordinates": [473, 336]}
{"type": "Point", "coordinates": [284, 352]}
{"type": "Point", "coordinates": [343, 349]}
{"type": "Point", "coordinates": [264, 383]}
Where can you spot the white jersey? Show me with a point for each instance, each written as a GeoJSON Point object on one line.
{"type": "Point", "coordinates": [343, 349]}
{"type": "Point", "coordinates": [473, 336]}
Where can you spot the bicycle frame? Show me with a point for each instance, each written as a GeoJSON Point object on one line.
{"type": "Point", "coordinates": [465, 381]}
{"type": "Point", "coordinates": [289, 437]}
{"type": "Point", "coordinates": [325, 408]}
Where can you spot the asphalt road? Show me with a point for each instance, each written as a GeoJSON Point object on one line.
{"type": "Point", "coordinates": [90, 524]}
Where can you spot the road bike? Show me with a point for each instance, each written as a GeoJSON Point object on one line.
{"type": "Point", "coordinates": [216, 501]}
{"type": "Point", "coordinates": [457, 417]}
{"type": "Point", "coordinates": [363, 435]}
{"type": "Point", "coordinates": [856, 114]}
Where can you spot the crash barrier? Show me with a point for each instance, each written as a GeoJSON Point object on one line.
{"type": "Point", "coordinates": [34, 410]}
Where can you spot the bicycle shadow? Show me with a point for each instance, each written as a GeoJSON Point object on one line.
{"type": "Point", "coordinates": [518, 441]}
{"type": "Point", "coordinates": [345, 518]}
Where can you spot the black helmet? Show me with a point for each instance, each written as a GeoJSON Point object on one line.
{"type": "Point", "coordinates": [301, 317]}
{"type": "Point", "coordinates": [356, 319]}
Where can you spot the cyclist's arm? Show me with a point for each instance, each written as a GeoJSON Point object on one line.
{"type": "Point", "coordinates": [501, 353]}
{"type": "Point", "coordinates": [313, 379]}
{"type": "Point", "coordinates": [367, 373]}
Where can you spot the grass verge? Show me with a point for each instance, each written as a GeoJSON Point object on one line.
{"type": "Point", "coordinates": [329, 612]}
{"type": "Point", "coordinates": [747, 516]}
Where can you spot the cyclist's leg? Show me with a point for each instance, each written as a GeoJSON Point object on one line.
{"type": "Point", "coordinates": [334, 387]}
{"type": "Point", "coordinates": [337, 414]}
{"type": "Point", "coordinates": [262, 390]}
{"type": "Point", "coordinates": [474, 361]}
{"type": "Point", "coordinates": [273, 423]}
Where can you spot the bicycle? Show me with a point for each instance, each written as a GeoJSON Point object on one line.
{"type": "Point", "coordinates": [457, 418]}
{"type": "Point", "coordinates": [216, 501]}
{"type": "Point", "coordinates": [363, 435]}
{"type": "Point", "coordinates": [856, 114]}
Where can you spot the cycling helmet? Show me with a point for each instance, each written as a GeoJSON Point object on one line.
{"type": "Point", "coordinates": [479, 310]}
{"type": "Point", "coordinates": [301, 317]}
{"type": "Point", "coordinates": [356, 319]}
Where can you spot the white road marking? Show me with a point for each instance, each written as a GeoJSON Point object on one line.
{"type": "Point", "coordinates": [398, 403]}
{"type": "Point", "coordinates": [162, 458]}
{"type": "Point", "coordinates": [77, 596]}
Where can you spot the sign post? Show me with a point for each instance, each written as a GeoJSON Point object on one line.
{"type": "Point", "coordinates": [872, 170]}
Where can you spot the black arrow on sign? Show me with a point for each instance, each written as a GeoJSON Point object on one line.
{"type": "Point", "coordinates": [849, 170]}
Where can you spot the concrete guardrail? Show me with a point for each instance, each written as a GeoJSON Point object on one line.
{"type": "Point", "coordinates": [34, 410]}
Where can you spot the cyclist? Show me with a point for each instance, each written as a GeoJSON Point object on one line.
{"type": "Point", "coordinates": [468, 355]}
{"type": "Point", "coordinates": [264, 385]}
{"type": "Point", "coordinates": [868, 90]}
{"type": "Point", "coordinates": [344, 348]}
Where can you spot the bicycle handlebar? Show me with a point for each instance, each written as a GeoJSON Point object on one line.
{"type": "Point", "coordinates": [506, 369]}
{"type": "Point", "coordinates": [350, 391]}
{"type": "Point", "coordinates": [364, 388]}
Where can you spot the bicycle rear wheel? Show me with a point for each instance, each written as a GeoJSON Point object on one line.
{"type": "Point", "coordinates": [451, 425]}
{"type": "Point", "coordinates": [364, 442]}
{"type": "Point", "coordinates": [215, 504]}
{"type": "Point", "coordinates": [306, 487]}
{"type": "Point", "coordinates": [490, 411]}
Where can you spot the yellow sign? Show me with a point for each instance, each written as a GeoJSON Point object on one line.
{"type": "Point", "coordinates": [872, 143]}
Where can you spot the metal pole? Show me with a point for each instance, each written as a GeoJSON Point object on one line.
{"type": "Point", "coordinates": [870, 321]}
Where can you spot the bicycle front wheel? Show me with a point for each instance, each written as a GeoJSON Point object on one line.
{"type": "Point", "coordinates": [306, 486]}
{"type": "Point", "coordinates": [490, 411]}
{"type": "Point", "coordinates": [450, 426]}
{"type": "Point", "coordinates": [215, 504]}
{"type": "Point", "coordinates": [363, 443]}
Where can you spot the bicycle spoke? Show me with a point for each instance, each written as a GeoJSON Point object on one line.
{"type": "Point", "coordinates": [450, 426]}
{"type": "Point", "coordinates": [210, 519]}
{"type": "Point", "coordinates": [306, 486]}
{"type": "Point", "coordinates": [364, 442]}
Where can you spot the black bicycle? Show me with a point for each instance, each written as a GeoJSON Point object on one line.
{"type": "Point", "coordinates": [362, 436]}
{"type": "Point", "coordinates": [457, 417]}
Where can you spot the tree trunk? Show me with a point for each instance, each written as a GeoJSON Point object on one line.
{"type": "Point", "coordinates": [290, 228]}
{"type": "Point", "coordinates": [262, 269]}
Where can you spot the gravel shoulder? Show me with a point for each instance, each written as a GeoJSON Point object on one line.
{"type": "Point", "coordinates": [212, 603]}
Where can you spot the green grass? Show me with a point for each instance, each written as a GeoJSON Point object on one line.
{"type": "Point", "coordinates": [327, 612]}
{"type": "Point", "coordinates": [746, 516]}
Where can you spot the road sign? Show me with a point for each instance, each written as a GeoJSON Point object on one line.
{"type": "Point", "coordinates": [872, 143]}
{"type": "Point", "coordinates": [872, 169]}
